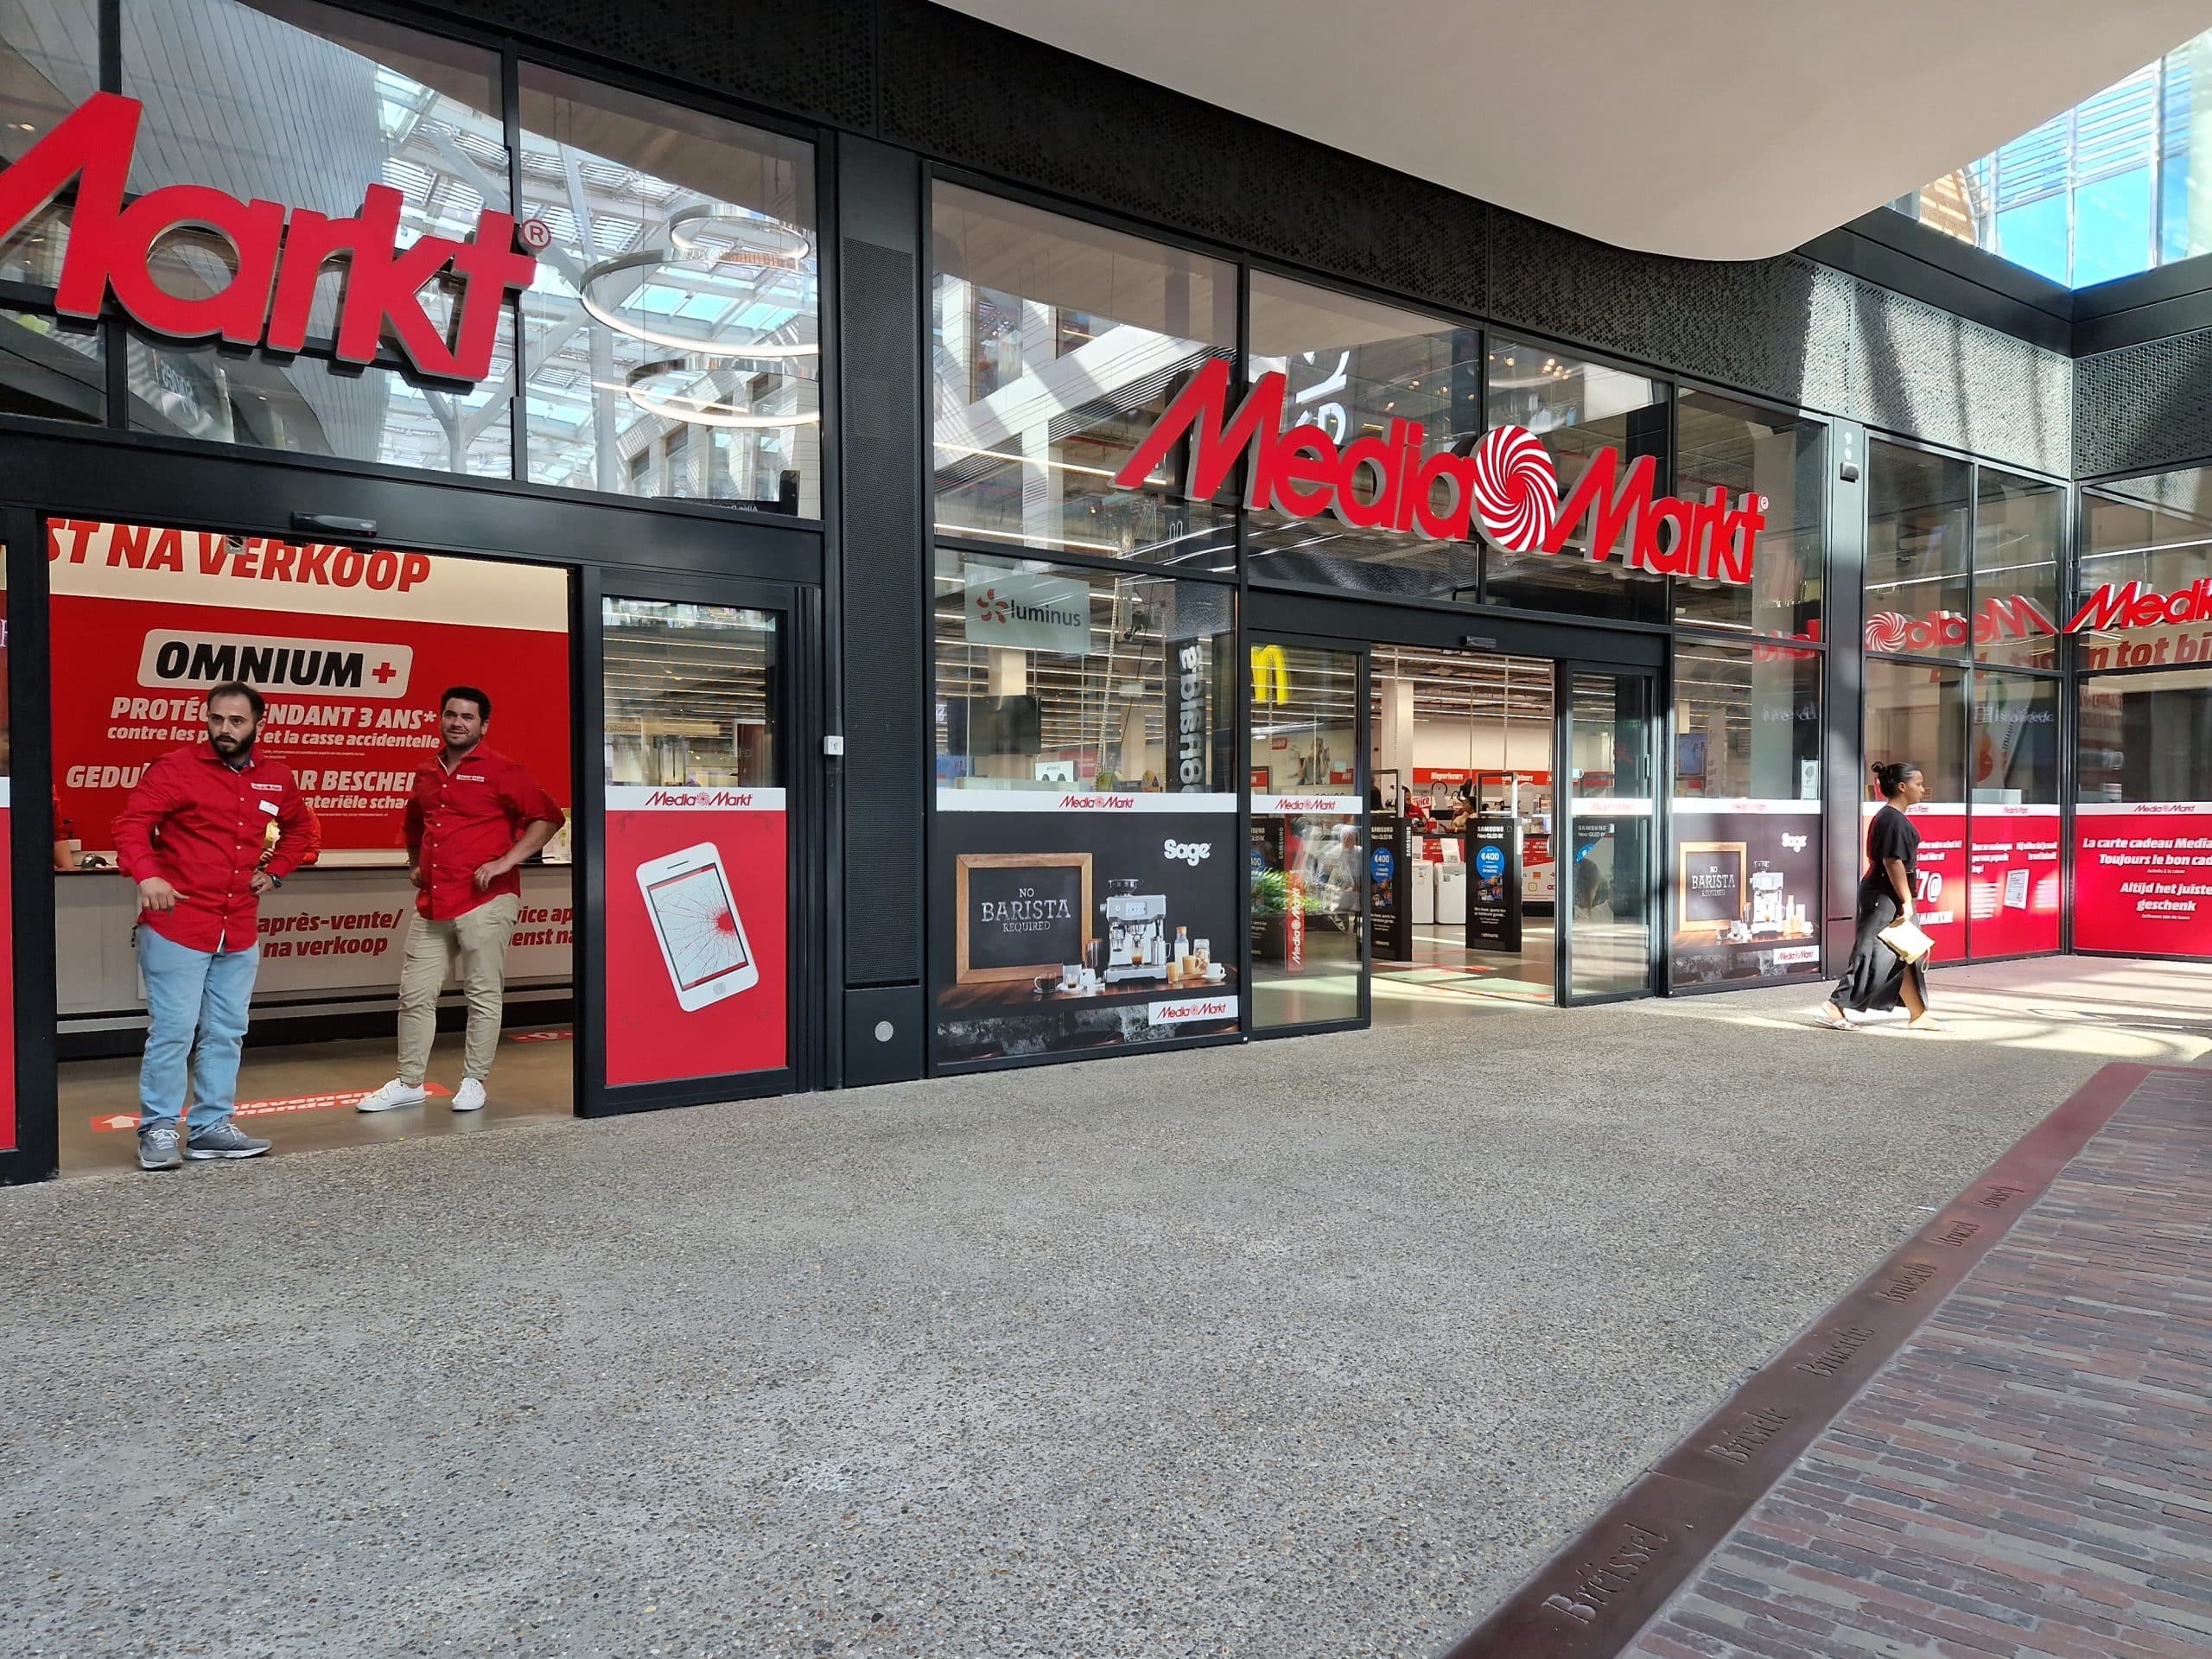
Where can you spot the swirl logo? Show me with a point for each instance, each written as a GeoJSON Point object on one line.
{"type": "Point", "coordinates": [1516, 488]}
{"type": "Point", "coordinates": [1887, 630]}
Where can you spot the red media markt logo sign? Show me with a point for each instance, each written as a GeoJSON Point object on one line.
{"type": "Point", "coordinates": [1507, 487]}
{"type": "Point", "coordinates": [278, 257]}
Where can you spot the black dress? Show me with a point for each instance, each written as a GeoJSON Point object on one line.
{"type": "Point", "coordinates": [1874, 977]}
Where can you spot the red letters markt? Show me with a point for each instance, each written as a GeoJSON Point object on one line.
{"type": "Point", "coordinates": [1303, 472]}
{"type": "Point", "coordinates": [279, 260]}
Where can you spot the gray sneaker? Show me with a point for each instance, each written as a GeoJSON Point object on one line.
{"type": "Point", "coordinates": [158, 1147]}
{"type": "Point", "coordinates": [224, 1140]}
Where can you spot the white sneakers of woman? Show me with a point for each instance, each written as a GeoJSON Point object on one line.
{"type": "Point", "coordinates": [470, 1097]}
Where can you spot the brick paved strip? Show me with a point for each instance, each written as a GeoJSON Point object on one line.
{"type": "Point", "coordinates": [1919, 1499]}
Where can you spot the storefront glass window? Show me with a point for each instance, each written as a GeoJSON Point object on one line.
{"type": "Point", "coordinates": [2140, 600]}
{"type": "Point", "coordinates": [52, 368]}
{"type": "Point", "coordinates": [1918, 588]}
{"type": "Point", "coordinates": [1577, 408]}
{"type": "Point", "coordinates": [2143, 826]}
{"type": "Point", "coordinates": [1084, 836]}
{"type": "Point", "coordinates": [1308, 873]}
{"type": "Point", "coordinates": [1056, 346]}
{"type": "Point", "coordinates": [2018, 526]}
{"type": "Point", "coordinates": [673, 335]}
{"type": "Point", "coordinates": [2012, 844]}
{"type": "Point", "coordinates": [1746, 865]}
{"type": "Point", "coordinates": [1741, 450]}
{"type": "Point", "coordinates": [49, 63]}
{"type": "Point", "coordinates": [1056, 680]}
{"type": "Point", "coordinates": [1916, 713]}
{"type": "Point", "coordinates": [2146, 738]}
{"type": "Point", "coordinates": [1354, 369]}
{"type": "Point", "coordinates": [293, 102]}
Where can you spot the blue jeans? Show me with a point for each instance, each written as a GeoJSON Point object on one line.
{"type": "Point", "coordinates": [193, 994]}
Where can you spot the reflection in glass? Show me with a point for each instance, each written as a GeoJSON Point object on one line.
{"type": "Point", "coordinates": [1577, 408]}
{"type": "Point", "coordinates": [302, 104]}
{"type": "Point", "coordinates": [1742, 449]}
{"type": "Point", "coordinates": [691, 692]}
{"type": "Point", "coordinates": [225, 396]}
{"type": "Point", "coordinates": [1747, 723]}
{"type": "Point", "coordinates": [49, 58]}
{"type": "Point", "coordinates": [2146, 737]}
{"type": "Point", "coordinates": [1918, 592]}
{"type": "Point", "coordinates": [1353, 369]}
{"type": "Point", "coordinates": [1308, 863]}
{"type": "Point", "coordinates": [1052, 679]}
{"type": "Point", "coordinates": [2155, 533]}
{"type": "Point", "coordinates": [673, 335]}
{"type": "Point", "coordinates": [1055, 347]}
{"type": "Point", "coordinates": [1606, 874]}
{"type": "Point", "coordinates": [1918, 714]}
{"type": "Point", "coordinates": [2018, 525]}
{"type": "Point", "coordinates": [53, 368]}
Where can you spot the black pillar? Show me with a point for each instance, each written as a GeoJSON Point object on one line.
{"type": "Point", "coordinates": [883, 593]}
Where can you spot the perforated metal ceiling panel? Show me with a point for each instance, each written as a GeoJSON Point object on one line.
{"type": "Point", "coordinates": [2147, 405]}
{"type": "Point", "coordinates": [1776, 325]}
{"type": "Point", "coordinates": [811, 60]}
{"type": "Point", "coordinates": [1919, 369]}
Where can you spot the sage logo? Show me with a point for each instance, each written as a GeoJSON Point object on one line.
{"type": "Point", "coordinates": [1192, 853]}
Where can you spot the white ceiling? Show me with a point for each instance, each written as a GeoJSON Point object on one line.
{"type": "Point", "coordinates": [1706, 128]}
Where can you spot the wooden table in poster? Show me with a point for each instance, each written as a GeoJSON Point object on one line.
{"type": "Point", "coordinates": [1013, 993]}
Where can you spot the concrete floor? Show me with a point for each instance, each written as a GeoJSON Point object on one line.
{"type": "Point", "coordinates": [299, 1097]}
{"type": "Point", "coordinates": [1311, 1347]}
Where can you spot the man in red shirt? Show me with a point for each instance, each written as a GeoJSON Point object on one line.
{"type": "Point", "coordinates": [207, 831]}
{"type": "Point", "coordinates": [474, 817]}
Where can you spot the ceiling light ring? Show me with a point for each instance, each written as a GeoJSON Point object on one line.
{"type": "Point", "coordinates": [667, 408]}
{"type": "Point", "coordinates": [682, 237]}
{"type": "Point", "coordinates": [691, 344]}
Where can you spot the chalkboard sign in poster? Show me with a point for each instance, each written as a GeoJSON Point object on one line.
{"type": "Point", "coordinates": [1711, 880]}
{"type": "Point", "coordinates": [1021, 914]}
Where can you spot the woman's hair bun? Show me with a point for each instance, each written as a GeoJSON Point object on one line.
{"type": "Point", "coordinates": [1892, 774]}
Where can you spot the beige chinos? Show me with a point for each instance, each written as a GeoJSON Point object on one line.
{"type": "Point", "coordinates": [472, 946]}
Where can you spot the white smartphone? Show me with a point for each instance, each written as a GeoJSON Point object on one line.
{"type": "Point", "coordinates": [701, 937]}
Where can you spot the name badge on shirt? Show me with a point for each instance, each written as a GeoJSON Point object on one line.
{"type": "Point", "coordinates": [270, 807]}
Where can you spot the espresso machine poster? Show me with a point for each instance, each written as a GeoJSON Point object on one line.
{"type": "Point", "coordinates": [1079, 925]}
{"type": "Point", "coordinates": [1747, 880]}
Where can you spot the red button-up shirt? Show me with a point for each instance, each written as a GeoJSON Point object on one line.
{"type": "Point", "coordinates": [202, 825]}
{"type": "Point", "coordinates": [465, 816]}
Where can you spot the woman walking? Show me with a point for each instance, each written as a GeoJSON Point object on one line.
{"type": "Point", "coordinates": [1876, 977]}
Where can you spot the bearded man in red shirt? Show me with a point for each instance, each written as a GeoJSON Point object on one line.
{"type": "Point", "coordinates": [206, 833]}
{"type": "Point", "coordinates": [474, 816]}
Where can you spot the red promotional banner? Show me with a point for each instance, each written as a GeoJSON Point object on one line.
{"type": "Point", "coordinates": [697, 889]}
{"type": "Point", "coordinates": [351, 647]}
{"type": "Point", "coordinates": [7, 971]}
{"type": "Point", "coordinates": [2014, 882]}
{"type": "Point", "coordinates": [1942, 897]}
{"type": "Point", "coordinates": [2143, 878]}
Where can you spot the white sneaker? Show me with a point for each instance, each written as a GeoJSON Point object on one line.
{"type": "Point", "coordinates": [392, 1096]}
{"type": "Point", "coordinates": [470, 1097]}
